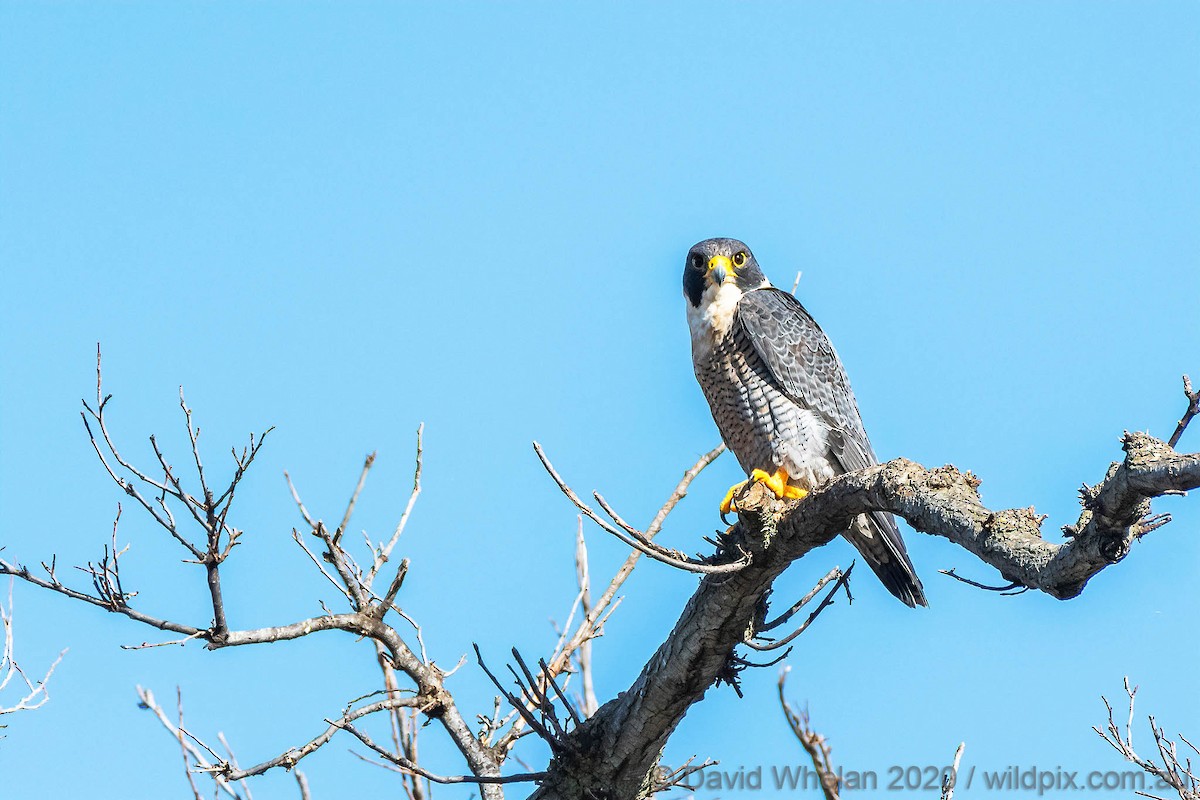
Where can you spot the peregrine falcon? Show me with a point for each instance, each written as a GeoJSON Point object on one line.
{"type": "Point", "coordinates": [780, 396]}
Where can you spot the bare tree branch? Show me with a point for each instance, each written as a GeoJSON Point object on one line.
{"type": "Point", "coordinates": [226, 772]}
{"type": "Point", "coordinates": [633, 537]}
{"type": "Point", "coordinates": [681, 488]}
{"type": "Point", "coordinates": [1193, 408]}
{"type": "Point", "coordinates": [403, 763]}
{"type": "Point", "coordinates": [813, 743]}
{"type": "Point", "coordinates": [1174, 771]}
{"type": "Point", "coordinates": [193, 749]}
{"type": "Point", "coordinates": [594, 617]}
{"type": "Point", "coordinates": [841, 579]}
{"type": "Point", "coordinates": [950, 778]}
{"type": "Point", "coordinates": [209, 511]}
{"type": "Point", "coordinates": [584, 654]}
{"type": "Point", "coordinates": [36, 694]}
{"type": "Point", "coordinates": [302, 782]}
{"type": "Point", "coordinates": [385, 550]}
{"type": "Point", "coordinates": [358, 487]}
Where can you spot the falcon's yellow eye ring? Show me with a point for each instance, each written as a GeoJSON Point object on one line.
{"type": "Point", "coordinates": [739, 259]}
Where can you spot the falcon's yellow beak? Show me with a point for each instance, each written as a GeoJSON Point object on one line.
{"type": "Point", "coordinates": [720, 268]}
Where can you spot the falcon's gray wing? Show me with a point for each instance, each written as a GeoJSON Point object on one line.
{"type": "Point", "coordinates": [807, 369]}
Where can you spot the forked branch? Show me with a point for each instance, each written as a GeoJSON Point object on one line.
{"type": "Point", "coordinates": [1172, 770]}
{"type": "Point", "coordinates": [813, 743]}
{"type": "Point", "coordinates": [34, 694]}
{"type": "Point", "coordinates": [637, 539]}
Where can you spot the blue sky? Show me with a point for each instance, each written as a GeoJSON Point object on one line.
{"type": "Point", "coordinates": [345, 219]}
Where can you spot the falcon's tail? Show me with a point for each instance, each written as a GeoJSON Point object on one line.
{"type": "Point", "coordinates": [877, 538]}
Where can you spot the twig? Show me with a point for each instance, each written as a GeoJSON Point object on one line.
{"type": "Point", "coordinates": [1173, 771]}
{"type": "Point", "coordinates": [584, 655]}
{"type": "Point", "coordinates": [233, 762]}
{"type": "Point", "coordinates": [832, 575]}
{"type": "Point", "coordinates": [358, 487]}
{"type": "Point", "coordinates": [636, 539]}
{"type": "Point", "coordinates": [180, 642]}
{"type": "Point", "coordinates": [300, 541]}
{"type": "Point", "coordinates": [183, 745]}
{"type": "Point", "coordinates": [403, 726]}
{"type": "Point", "coordinates": [22, 572]}
{"type": "Point", "coordinates": [681, 488]}
{"type": "Point", "coordinates": [1193, 408]}
{"type": "Point", "coordinates": [37, 694]}
{"type": "Point", "coordinates": [299, 503]}
{"type": "Point", "coordinates": [519, 706]}
{"type": "Point", "coordinates": [1005, 590]}
{"type": "Point", "coordinates": [291, 757]}
{"type": "Point", "coordinates": [678, 777]}
{"type": "Point", "coordinates": [949, 779]}
{"type": "Point", "coordinates": [404, 763]}
{"type": "Point", "coordinates": [386, 549]}
{"type": "Point", "coordinates": [186, 743]}
{"type": "Point", "coordinates": [812, 742]}
{"type": "Point", "coordinates": [842, 583]}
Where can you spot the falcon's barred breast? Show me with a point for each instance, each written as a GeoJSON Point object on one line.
{"type": "Point", "coordinates": [780, 396]}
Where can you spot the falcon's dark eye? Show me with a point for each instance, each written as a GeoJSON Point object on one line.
{"type": "Point", "coordinates": [739, 259]}
{"type": "Point", "coordinates": [697, 260]}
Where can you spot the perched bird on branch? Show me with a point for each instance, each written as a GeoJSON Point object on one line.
{"type": "Point", "coordinates": [780, 396]}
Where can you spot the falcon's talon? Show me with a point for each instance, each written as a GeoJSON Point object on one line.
{"type": "Point", "coordinates": [727, 504]}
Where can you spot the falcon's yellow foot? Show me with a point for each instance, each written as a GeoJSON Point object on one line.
{"type": "Point", "coordinates": [778, 483]}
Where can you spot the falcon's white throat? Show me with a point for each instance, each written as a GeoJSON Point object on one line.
{"type": "Point", "coordinates": [710, 321]}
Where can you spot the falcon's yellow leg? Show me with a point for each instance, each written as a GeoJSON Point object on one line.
{"type": "Point", "coordinates": [777, 483]}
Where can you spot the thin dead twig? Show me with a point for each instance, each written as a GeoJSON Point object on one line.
{"type": "Point", "coordinates": [1193, 408]}
{"type": "Point", "coordinates": [672, 778]}
{"type": "Point", "coordinates": [358, 487]}
{"type": "Point", "coordinates": [523, 707]}
{"type": "Point", "coordinates": [813, 743]}
{"type": "Point", "coordinates": [187, 744]}
{"type": "Point", "coordinates": [404, 727]}
{"type": "Point", "coordinates": [842, 582]}
{"type": "Point", "coordinates": [681, 488]}
{"type": "Point", "coordinates": [595, 617]}
{"type": "Point", "coordinates": [631, 536]}
{"type": "Point", "coordinates": [950, 778]}
{"type": "Point", "coordinates": [584, 655]}
{"type": "Point", "coordinates": [1174, 771]}
{"type": "Point", "coordinates": [782, 619]}
{"type": "Point", "coordinates": [36, 693]}
{"type": "Point", "coordinates": [405, 764]}
{"type": "Point", "coordinates": [385, 550]}
{"type": "Point", "coordinates": [1006, 590]}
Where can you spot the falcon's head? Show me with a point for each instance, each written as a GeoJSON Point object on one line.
{"type": "Point", "coordinates": [717, 263]}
